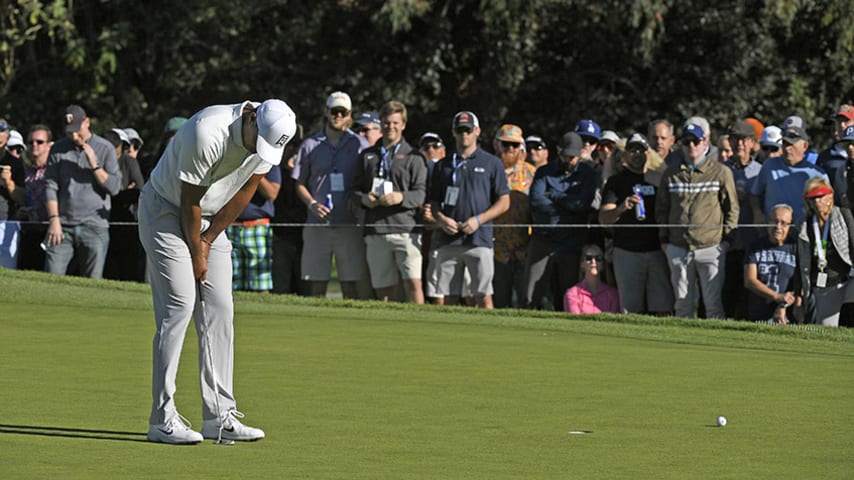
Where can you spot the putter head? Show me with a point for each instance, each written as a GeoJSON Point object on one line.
{"type": "Point", "coordinates": [224, 442]}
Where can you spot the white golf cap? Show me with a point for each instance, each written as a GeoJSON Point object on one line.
{"type": "Point", "coordinates": [133, 135]}
{"type": "Point", "coordinates": [339, 99]}
{"type": "Point", "coordinates": [276, 125]}
{"type": "Point", "coordinates": [16, 139]}
{"type": "Point", "coordinates": [122, 135]}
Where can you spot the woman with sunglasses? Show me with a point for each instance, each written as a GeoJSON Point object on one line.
{"type": "Point", "coordinates": [591, 294]}
{"type": "Point", "coordinates": [824, 255]}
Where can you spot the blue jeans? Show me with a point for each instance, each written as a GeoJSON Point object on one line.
{"type": "Point", "coordinates": [87, 244]}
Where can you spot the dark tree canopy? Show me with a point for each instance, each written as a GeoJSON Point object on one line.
{"type": "Point", "coordinates": [541, 64]}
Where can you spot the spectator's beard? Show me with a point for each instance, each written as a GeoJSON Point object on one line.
{"type": "Point", "coordinates": [510, 158]}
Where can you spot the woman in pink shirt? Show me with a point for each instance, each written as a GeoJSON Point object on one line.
{"type": "Point", "coordinates": [591, 295]}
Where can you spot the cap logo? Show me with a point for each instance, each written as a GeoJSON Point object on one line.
{"type": "Point", "coordinates": [69, 118]}
{"type": "Point", "coordinates": [282, 140]}
{"type": "Point", "coordinates": [590, 128]}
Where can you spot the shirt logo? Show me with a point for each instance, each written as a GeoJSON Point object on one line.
{"type": "Point", "coordinates": [479, 169]}
{"type": "Point", "coordinates": [282, 141]}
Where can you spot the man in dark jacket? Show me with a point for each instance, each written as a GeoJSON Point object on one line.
{"type": "Point", "coordinates": [390, 183]}
{"type": "Point", "coordinates": [561, 195]}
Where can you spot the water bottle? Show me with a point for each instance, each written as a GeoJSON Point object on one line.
{"type": "Point", "coordinates": [330, 206]}
{"type": "Point", "coordinates": [640, 208]}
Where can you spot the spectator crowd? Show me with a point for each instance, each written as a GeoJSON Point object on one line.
{"type": "Point", "coordinates": [750, 222]}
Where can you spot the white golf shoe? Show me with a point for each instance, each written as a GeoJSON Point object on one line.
{"type": "Point", "coordinates": [232, 429]}
{"type": "Point", "coordinates": [176, 431]}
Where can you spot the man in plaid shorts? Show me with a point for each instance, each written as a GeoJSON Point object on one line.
{"type": "Point", "coordinates": [252, 238]}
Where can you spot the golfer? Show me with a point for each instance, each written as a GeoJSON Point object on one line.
{"type": "Point", "coordinates": [204, 179]}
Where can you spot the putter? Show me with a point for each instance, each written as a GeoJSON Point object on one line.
{"type": "Point", "coordinates": [200, 288]}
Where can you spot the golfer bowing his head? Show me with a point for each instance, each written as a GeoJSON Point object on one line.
{"type": "Point", "coordinates": [204, 179]}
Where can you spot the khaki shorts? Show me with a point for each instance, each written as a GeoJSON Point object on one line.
{"type": "Point", "coordinates": [346, 243]}
{"type": "Point", "coordinates": [393, 256]}
{"type": "Point", "coordinates": [454, 260]}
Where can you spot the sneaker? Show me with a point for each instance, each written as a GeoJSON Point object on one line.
{"type": "Point", "coordinates": [175, 431]}
{"type": "Point", "coordinates": [232, 429]}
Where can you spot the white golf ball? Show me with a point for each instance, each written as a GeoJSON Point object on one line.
{"type": "Point", "coordinates": [721, 421]}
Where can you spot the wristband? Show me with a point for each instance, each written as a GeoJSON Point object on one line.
{"type": "Point", "coordinates": [477, 217]}
{"type": "Point", "coordinates": [51, 217]}
{"type": "Point", "coordinates": [313, 203]}
{"type": "Point", "coordinates": [205, 240]}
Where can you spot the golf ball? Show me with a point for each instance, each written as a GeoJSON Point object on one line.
{"type": "Point", "coordinates": [721, 421]}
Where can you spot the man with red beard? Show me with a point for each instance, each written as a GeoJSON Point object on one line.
{"type": "Point", "coordinates": [511, 243]}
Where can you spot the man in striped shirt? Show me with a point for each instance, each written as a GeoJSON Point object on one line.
{"type": "Point", "coordinates": [698, 206]}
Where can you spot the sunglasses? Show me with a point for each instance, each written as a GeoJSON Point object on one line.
{"type": "Point", "coordinates": [434, 146]}
{"type": "Point", "coordinates": [770, 149]}
{"type": "Point", "coordinates": [534, 146]}
{"type": "Point", "coordinates": [339, 112]}
{"type": "Point", "coordinates": [636, 150]}
{"type": "Point", "coordinates": [462, 130]}
{"type": "Point", "coordinates": [367, 129]}
{"type": "Point", "coordinates": [692, 141]}
{"type": "Point", "coordinates": [509, 145]}
{"type": "Point", "coordinates": [3, 128]}
{"type": "Point", "coordinates": [37, 142]}
{"type": "Point", "coordinates": [589, 140]}
{"type": "Point", "coordinates": [590, 258]}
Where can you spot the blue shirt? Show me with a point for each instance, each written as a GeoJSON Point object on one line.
{"type": "Point", "coordinates": [744, 178]}
{"type": "Point", "coordinates": [317, 160]}
{"type": "Point", "coordinates": [559, 197]}
{"type": "Point", "coordinates": [481, 181]}
{"type": "Point", "coordinates": [779, 182]}
{"type": "Point", "coordinates": [260, 207]}
{"type": "Point", "coordinates": [775, 268]}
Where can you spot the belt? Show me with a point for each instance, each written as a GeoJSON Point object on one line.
{"type": "Point", "coordinates": [253, 223]}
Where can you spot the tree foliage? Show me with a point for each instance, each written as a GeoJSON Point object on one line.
{"type": "Point", "coordinates": [543, 64]}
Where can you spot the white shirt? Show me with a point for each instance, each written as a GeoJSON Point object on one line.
{"type": "Point", "coordinates": [208, 151]}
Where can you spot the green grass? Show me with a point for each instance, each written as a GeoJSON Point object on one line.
{"type": "Point", "coordinates": [349, 390]}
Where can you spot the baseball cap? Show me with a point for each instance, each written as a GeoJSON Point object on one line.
{"type": "Point", "coordinates": [588, 128]}
{"type": "Point", "coordinates": [772, 136]}
{"type": "Point", "coordinates": [122, 135]}
{"type": "Point", "coordinates": [277, 124]}
{"type": "Point", "coordinates": [794, 121]}
{"type": "Point", "coordinates": [756, 125]}
{"type": "Point", "coordinates": [368, 117]}
{"type": "Point", "coordinates": [339, 99]}
{"type": "Point", "coordinates": [465, 119]}
{"type": "Point", "coordinates": [701, 122]}
{"type": "Point", "coordinates": [793, 134]}
{"type": "Point", "coordinates": [637, 139]}
{"type": "Point", "coordinates": [509, 133]}
{"type": "Point", "coordinates": [741, 129]}
{"type": "Point", "coordinates": [133, 135]}
{"type": "Point", "coordinates": [174, 123]}
{"type": "Point", "coordinates": [847, 136]}
{"type": "Point", "coordinates": [74, 116]}
{"type": "Point", "coordinates": [695, 130]}
{"type": "Point", "coordinates": [16, 140]}
{"type": "Point", "coordinates": [535, 140]}
{"type": "Point", "coordinates": [429, 137]}
{"type": "Point", "coordinates": [845, 110]}
{"type": "Point", "coordinates": [571, 144]}
{"type": "Point", "coordinates": [610, 136]}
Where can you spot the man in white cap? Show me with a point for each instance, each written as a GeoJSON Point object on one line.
{"type": "Point", "coordinates": [325, 168]}
{"type": "Point", "coordinates": [204, 179]}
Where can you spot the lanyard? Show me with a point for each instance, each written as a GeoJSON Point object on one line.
{"type": "Point", "coordinates": [385, 164]}
{"type": "Point", "coordinates": [457, 165]}
{"type": "Point", "coordinates": [820, 242]}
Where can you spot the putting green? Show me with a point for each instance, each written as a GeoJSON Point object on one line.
{"type": "Point", "coordinates": [363, 390]}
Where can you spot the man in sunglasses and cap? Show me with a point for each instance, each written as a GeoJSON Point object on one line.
{"type": "Point", "coordinates": [206, 177]}
{"type": "Point", "coordinates": [698, 205]}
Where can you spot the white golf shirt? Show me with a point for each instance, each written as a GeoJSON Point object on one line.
{"type": "Point", "coordinates": [208, 151]}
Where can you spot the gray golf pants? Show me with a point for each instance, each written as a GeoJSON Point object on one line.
{"type": "Point", "coordinates": [174, 292]}
{"type": "Point", "coordinates": [694, 271]}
